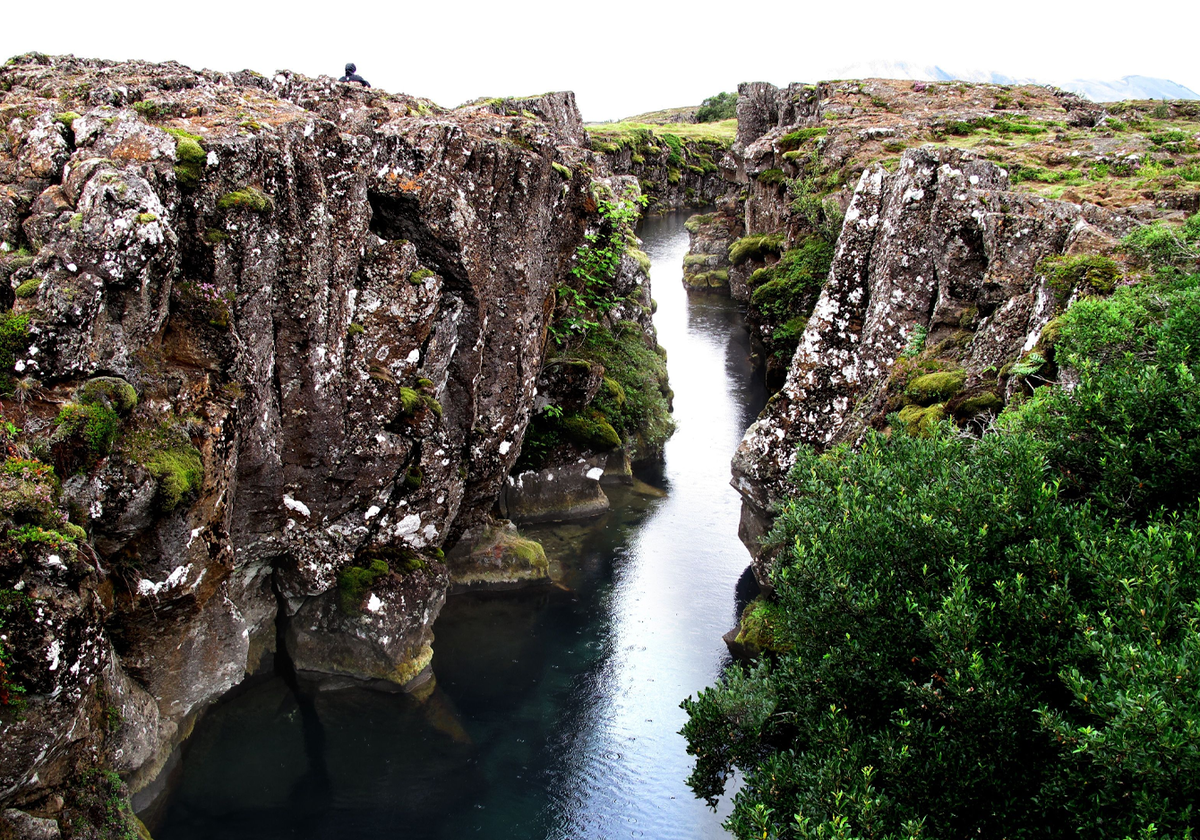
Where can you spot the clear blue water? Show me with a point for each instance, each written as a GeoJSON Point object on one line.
{"type": "Point", "coordinates": [556, 713]}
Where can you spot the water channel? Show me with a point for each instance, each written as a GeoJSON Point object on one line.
{"type": "Point", "coordinates": [557, 712]}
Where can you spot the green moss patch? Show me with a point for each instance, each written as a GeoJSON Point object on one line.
{"type": "Point", "coordinates": [919, 421]}
{"type": "Point", "coordinates": [592, 430]}
{"type": "Point", "coordinates": [190, 159]}
{"type": "Point", "coordinates": [29, 288]}
{"type": "Point", "coordinates": [755, 247]}
{"type": "Point", "coordinates": [353, 583]}
{"type": "Point", "coordinates": [168, 454]}
{"type": "Point", "coordinates": [762, 627]}
{"type": "Point", "coordinates": [1089, 271]}
{"type": "Point", "coordinates": [108, 390]}
{"type": "Point", "coordinates": [247, 198]}
{"type": "Point", "coordinates": [979, 404]}
{"type": "Point", "coordinates": [935, 387]}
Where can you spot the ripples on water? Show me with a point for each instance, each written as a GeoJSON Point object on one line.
{"type": "Point", "coordinates": [556, 714]}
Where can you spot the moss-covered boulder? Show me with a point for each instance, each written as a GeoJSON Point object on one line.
{"type": "Point", "coordinates": [497, 557]}
{"type": "Point", "coordinates": [935, 387]}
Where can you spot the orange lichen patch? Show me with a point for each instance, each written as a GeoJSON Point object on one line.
{"type": "Point", "coordinates": [405, 184]}
{"type": "Point", "coordinates": [134, 148]}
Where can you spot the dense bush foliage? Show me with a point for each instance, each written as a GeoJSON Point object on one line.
{"type": "Point", "coordinates": [723, 106]}
{"type": "Point", "coordinates": [994, 637]}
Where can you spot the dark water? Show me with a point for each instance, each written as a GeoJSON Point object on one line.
{"type": "Point", "coordinates": [556, 713]}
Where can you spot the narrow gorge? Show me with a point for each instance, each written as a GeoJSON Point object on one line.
{"type": "Point", "coordinates": [298, 376]}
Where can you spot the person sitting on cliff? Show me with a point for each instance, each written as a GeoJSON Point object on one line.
{"type": "Point", "coordinates": [352, 76]}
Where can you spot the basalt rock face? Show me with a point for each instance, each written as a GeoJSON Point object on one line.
{"type": "Point", "coordinates": [942, 250]}
{"type": "Point", "coordinates": [952, 195]}
{"type": "Point", "coordinates": [331, 304]}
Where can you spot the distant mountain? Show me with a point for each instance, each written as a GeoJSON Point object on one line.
{"type": "Point", "coordinates": [1129, 87]}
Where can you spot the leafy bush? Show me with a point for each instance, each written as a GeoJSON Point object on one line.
{"type": "Point", "coordinates": [723, 106]}
{"type": "Point", "coordinates": [961, 632]}
{"type": "Point", "coordinates": [991, 637]}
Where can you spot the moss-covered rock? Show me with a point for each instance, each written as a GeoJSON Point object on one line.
{"type": "Point", "coordinates": [935, 387]}
{"type": "Point", "coordinates": [247, 198]}
{"type": "Point", "coordinates": [592, 430]}
{"type": "Point", "coordinates": [755, 247]}
{"type": "Point", "coordinates": [761, 628]}
{"type": "Point", "coordinates": [920, 420]}
{"type": "Point", "coordinates": [979, 404]}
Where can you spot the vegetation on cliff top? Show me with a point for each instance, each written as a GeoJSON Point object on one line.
{"type": "Point", "coordinates": [992, 636]}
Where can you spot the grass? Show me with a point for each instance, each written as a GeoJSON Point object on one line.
{"type": "Point", "coordinates": [722, 133]}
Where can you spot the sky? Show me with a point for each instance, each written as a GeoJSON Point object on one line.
{"type": "Point", "coordinates": [620, 57]}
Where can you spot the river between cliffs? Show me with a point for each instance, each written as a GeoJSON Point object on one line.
{"type": "Point", "coordinates": [556, 713]}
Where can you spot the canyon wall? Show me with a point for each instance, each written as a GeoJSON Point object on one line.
{"type": "Point", "coordinates": [280, 340]}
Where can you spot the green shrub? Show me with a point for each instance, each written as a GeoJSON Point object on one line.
{"type": "Point", "coordinates": [1158, 244]}
{"type": "Point", "coordinates": [562, 171]}
{"type": "Point", "coordinates": [694, 223]}
{"type": "Point", "coordinates": [418, 276]}
{"type": "Point", "coordinates": [972, 655]}
{"type": "Point", "coordinates": [722, 106]}
{"type": "Point", "coordinates": [1128, 435]}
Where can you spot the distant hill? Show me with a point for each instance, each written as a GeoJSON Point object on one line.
{"type": "Point", "coordinates": [665, 116]}
{"type": "Point", "coordinates": [1097, 90]}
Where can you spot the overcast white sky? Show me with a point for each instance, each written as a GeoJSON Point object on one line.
{"type": "Point", "coordinates": [620, 57]}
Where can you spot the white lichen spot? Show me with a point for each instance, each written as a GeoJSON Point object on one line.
{"type": "Point", "coordinates": [374, 604]}
{"type": "Point", "coordinates": [372, 512]}
{"type": "Point", "coordinates": [299, 507]}
{"type": "Point", "coordinates": [505, 446]}
{"type": "Point", "coordinates": [594, 473]}
{"type": "Point", "coordinates": [414, 357]}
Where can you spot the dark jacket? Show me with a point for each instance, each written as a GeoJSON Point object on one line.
{"type": "Point", "coordinates": [352, 76]}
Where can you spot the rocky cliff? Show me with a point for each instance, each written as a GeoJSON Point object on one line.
{"type": "Point", "coordinates": [678, 165]}
{"type": "Point", "coordinates": [273, 347]}
{"type": "Point", "coordinates": [905, 247]}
